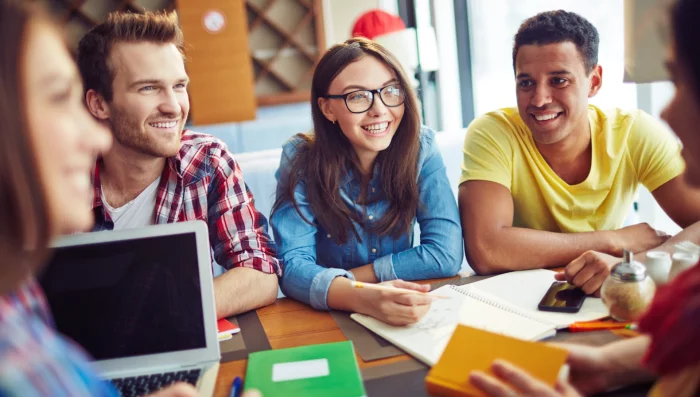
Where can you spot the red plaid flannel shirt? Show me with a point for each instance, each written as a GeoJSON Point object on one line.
{"type": "Point", "coordinates": [204, 182]}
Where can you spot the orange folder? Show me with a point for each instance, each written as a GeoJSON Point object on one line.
{"type": "Point", "coordinates": [472, 349]}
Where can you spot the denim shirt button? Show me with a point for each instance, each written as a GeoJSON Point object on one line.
{"type": "Point", "coordinates": [374, 250]}
{"type": "Point", "coordinates": [328, 235]}
{"type": "Point", "coordinates": [371, 217]}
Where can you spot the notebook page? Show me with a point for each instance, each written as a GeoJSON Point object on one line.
{"type": "Point", "coordinates": [524, 290]}
{"type": "Point", "coordinates": [427, 339]}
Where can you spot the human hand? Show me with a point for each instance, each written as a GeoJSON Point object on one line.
{"type": "Point", "coordinates": [179, 389]}
{"type": "Point", "coordinates": [397, 307]}
{"type": "Point", "coordinates": [511, 381]}
{"type": "Point", "coordinates": [588, 271]}
{"type": "Point", "coordinates": [590, 370]}
{"type": "Point", "coordinates": [637, 238]}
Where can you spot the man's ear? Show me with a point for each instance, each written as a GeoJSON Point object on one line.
{"type": "Point", "coordinates": [97, 105]}
{"type": "Point", "coordinates": [596, 81]}
{"type": "Point", "coordinates": [325, 106]}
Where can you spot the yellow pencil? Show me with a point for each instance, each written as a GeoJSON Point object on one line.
{"type": "Point", "coordinates": [359, 284]}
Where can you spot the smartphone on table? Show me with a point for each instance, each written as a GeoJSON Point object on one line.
{"type": "Point", "coordinates": [562, 297]}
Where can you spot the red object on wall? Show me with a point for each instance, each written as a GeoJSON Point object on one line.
{"type": "Point", "coordinates": [376, 23]}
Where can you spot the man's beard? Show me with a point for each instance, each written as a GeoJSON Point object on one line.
{"type": "Point", "coordinates": [132, 135]}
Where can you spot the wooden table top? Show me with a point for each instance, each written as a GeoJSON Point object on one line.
{"type": "Point", "coordinates": [289, 323]}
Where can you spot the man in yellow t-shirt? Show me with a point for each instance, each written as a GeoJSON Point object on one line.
{"type": "Point", "coordinates": [543, 183]}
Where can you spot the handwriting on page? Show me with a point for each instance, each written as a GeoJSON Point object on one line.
{"type": "Point", "coordinates": [439, 323]}
{"type": "Point", "coordinates": [436, 318]}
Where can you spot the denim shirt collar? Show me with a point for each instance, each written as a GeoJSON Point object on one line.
{"type": "Point", "coordinates": [350, 176]}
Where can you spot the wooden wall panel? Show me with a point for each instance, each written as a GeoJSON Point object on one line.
{"type": "Point", "coordinates": [219, 63]}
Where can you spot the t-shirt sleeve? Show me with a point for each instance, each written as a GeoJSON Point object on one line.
{"type": "Point", "coordinates": [655, 152]}
{"type": "Point", "coordinates": [488, 151]}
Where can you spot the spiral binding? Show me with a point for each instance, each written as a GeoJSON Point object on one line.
{"type": "Point", "coordinates": [489, 302]}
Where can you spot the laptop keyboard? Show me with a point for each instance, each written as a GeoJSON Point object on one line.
{"type": "Point", "coordinates": [141, 385]}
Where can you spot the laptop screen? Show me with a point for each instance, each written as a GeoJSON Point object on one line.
{"type": "Point", "coordinates": [128, 298]}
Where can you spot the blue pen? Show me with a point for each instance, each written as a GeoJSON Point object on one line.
{"type": "Point", "coordinates": [236, 387]}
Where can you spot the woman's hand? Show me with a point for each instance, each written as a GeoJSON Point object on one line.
{"type": "Point", "coordinates": [396, 307]}
{"type": "Point", "coordinates": [511, 381]}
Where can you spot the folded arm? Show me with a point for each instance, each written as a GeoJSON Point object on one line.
{"type": "Point", "coordinates": [241, 244]}
{"type": "Point", "coordinates": [679, 201]}
{"type": "Point", "coordinates": [331, 288]}
{"type": "Point", "coordinates": [440, 252]}
{"type": "Point", "coordinates": [242, 289]}
{"type": "Point", "coordinates": [494, 245]}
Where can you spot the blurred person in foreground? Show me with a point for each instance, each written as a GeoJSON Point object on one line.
{"type": "Point", "coordinates": [48, 145]}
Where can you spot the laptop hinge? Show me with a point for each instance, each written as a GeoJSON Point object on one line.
{"type": "Point", "coordinates": [201, 363]}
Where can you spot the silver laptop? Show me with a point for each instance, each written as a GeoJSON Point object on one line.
{"type": "Point", "coordinates": [140, 302]}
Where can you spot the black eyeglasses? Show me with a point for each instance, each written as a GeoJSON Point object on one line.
{"type": "Point", "coordinates": [361, 101]}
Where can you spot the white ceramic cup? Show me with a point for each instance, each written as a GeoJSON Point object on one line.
{"type": "Point", "coordinates": [658, 264]}
{"type": "Point", "coordinates": [681, 261]}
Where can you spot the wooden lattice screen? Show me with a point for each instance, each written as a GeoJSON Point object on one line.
{"type": "Point", "coordinates": [286, 41]}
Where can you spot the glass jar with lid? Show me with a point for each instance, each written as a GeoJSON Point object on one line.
{"type": "Point", "coordinates": [628, 290]}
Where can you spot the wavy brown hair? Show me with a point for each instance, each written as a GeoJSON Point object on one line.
{"type": "Point", "coordinates": [326, 157]}
{"type": "Point", "coordinates": [24, 220]}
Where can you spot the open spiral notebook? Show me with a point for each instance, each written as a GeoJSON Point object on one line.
{"type": "Point", "coordinates": [505, 304]}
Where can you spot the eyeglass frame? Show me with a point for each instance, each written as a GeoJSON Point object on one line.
{"type": "Point", "coordinates": [375, 93]}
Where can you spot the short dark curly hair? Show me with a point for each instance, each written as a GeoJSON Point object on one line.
{"type": "Point", "coordinates": [558, 27]}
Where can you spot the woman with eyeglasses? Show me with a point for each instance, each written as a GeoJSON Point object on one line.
{"type": "Point", "coordinates": [350, 193]}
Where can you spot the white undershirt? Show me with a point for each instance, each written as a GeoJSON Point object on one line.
{"type": "Point", "coordinates": [136, 213]}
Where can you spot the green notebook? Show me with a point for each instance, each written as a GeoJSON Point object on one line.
{"type": "Point", "coordinates": [309, 371]}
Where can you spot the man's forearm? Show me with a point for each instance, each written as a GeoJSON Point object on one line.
{"type": "Point", "coordinates": [512, 248]}
{"type": "Point", "coordinates": [690, 233]}
{"type": "Point", "coordinates": [242, 289]}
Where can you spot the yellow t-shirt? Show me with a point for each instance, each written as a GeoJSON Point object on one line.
{"type": "Point", "coordinates": [629, 148]}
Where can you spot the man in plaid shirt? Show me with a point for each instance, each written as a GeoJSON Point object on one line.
{"type": "Point", "coordinates": [135, 83]}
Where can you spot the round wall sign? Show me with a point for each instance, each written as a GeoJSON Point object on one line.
{"type": "Point", "coordinates": [214, 21]}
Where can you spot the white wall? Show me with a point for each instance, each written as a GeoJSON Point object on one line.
{"type": "Point", "coordinates": [339, 16]}
{"type": "Point", "coordinates": [449, 89]}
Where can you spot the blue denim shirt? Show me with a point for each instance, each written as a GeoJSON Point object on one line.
{"type": "Point", "coordinates": [312, 259]}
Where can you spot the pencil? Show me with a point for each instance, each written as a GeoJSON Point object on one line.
{"type": "Point", "coordinates": [359, 284]}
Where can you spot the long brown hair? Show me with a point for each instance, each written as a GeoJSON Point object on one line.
{"type": "Point", "coordinates": [24, 220]}
{"type": "Point", "coordinates": [326, 158]}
